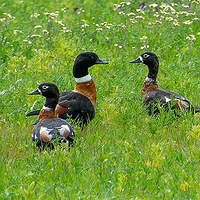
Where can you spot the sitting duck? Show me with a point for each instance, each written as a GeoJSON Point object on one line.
{"type": "Point", "coordinates": [49, 128]}
{"type": "Point", "coordinates": [153, 94]}
{"type": "Point", "coordinates": [79, 104]}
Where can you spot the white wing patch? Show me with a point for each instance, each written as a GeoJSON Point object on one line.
{"type": "Point", "coordinates": [45, 131]}
{"type": "Point", "coordinates": [167, 99]}
{"type": "Point", "coordinates": [46, 134]}
{"type": "Point", "coordinates": [63, 129]}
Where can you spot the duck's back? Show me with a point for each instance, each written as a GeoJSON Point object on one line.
{"type": "Point", "coordinates": [165, 98]}
{"type": "Point", "coordinates": [76, 106]}
{"type": "Point", "coordinates": [50, 130]}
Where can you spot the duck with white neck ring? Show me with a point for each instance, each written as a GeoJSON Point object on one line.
{"type": "Point", "coordinates": [80, 103]}
{"type": "Point", "coordinates": [153, 94]}
{"type": "Point", "coordinates": [49, 128]}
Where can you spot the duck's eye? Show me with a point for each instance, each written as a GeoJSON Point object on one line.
{"type": "Point", "coordinates": [145, 55]}
{"type": "Point", "coordinates": [45, 87]}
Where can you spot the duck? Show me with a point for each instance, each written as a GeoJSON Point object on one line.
{"type": "Point", "coordinates": [152, 94]}
{"type": "Point", "coordinates": [49, 128]}
{"type": "Point", "coordinates": [80, 103]}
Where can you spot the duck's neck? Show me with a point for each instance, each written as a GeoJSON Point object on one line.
{"type": "Point", "coordinates": [85, 86]}
{"type": "Point", "coordinates": [150, 82]}
{"type": "Point", "coordinates": [153, 70]}
{"type": "Point", "coordinates": [80, 70]}
{"type": "Point", "coordinates": [50, 103]}
{"type": "Point", "coordinates": [149, 85]}
{"type": "Point", "coordinates": [48, 110]}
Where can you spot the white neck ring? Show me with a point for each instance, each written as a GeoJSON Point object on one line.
{"type": "Point", "coordinates": [47, 108]}
{"type": "Point", "coordinates": [150, 80]}
{"type": "Point", "coordinates": [83, 79]}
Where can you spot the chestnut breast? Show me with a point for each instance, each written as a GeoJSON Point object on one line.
{"type": "Point", "coordinates": [148, 87]}
{"type": "Point", "coordinates": [45, 114]}
{"type": "Point", "coordinates": [87, 89]}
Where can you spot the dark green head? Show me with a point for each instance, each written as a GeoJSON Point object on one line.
{"type": "Point", "coordinates": [83, 61]}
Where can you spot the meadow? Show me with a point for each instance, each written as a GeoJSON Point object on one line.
{"type": "Point", "coordinates": [123, 153]}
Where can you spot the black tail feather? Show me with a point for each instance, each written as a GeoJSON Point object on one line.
{"type": "Point", "coordinates": [36, 112]}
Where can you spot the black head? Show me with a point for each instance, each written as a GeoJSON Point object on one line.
{"type": "Point", "coordinates": [48, 90]}
{"type": "Point", "coordinates": [83, 61]}
{"type": "Point", "coordinates": [151, 60]}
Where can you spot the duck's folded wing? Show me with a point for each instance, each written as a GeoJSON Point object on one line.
{"type": "Point", "coordinates": [74, 101]}
{"type": "Point", "coordinates": [165, 98]}
{"type": "Point", "coordinates": [76, 105]}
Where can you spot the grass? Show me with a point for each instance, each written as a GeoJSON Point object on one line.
{"type": "Point", "coordinates": [123, 153]}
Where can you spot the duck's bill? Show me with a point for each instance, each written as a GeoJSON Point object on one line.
{"type": "Point", "coordinates": [35, 92]}
{"type": "Point", "coordinates": [35, 112]}
{"type": "Point", "coordinates": [101, 62]}
{"type": "Point", "coordinates": [138, 60]}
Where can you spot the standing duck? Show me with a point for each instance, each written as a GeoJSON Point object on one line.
{"type": "Point", "coordinates": [153, 94]}
{"type": "Point", "coordinates": [49, 128]}
{"type": "Point", "coordinates": [79, 104]}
